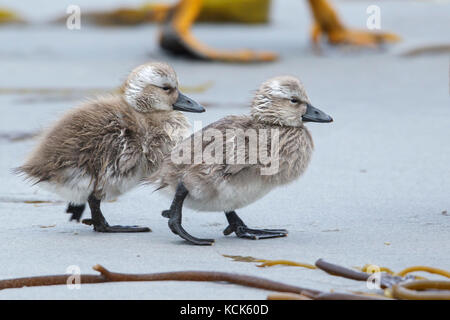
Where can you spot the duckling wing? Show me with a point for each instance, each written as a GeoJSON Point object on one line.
{"type": "Point", "coordinates": [228, 146]}
{"type": "Point", "coordinates": [89, 141]}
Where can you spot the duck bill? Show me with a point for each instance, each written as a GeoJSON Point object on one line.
{"type": "Point", "coordinates": [315, 115]}
{"type": "Point", "coordinates": [186, 104]}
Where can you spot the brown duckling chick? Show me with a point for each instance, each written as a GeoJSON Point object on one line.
{"type": "Point", "coordinates": [106, 146]}
{"type": "Point", "coordinates": [231, 172]}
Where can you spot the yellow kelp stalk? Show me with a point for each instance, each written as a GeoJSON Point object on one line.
{"type": "Point", "coordinates": [8, 16]}
{"type": "Point", "coordinates": [237, 11]}
{"type": "Point", "coordinates": [409, 270]}
{"type": "Point", "coordinates": [327, 23]}
{"type": "Point", "coordinates": [270, 263]}
{"type": "Point", "coordinates": [217, 11]}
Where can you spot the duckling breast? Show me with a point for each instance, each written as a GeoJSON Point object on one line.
{"type": "Point", "coordinates": [229, 194]}
{"type": "Point", "coordinates": [294, 155]}
{"type": "Point", "coordinates": [177, 127]}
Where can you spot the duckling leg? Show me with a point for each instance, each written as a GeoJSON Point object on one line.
{"type": "Point", "coordinates": [99, 221]}
{"type": "Point", "coordinates": [76, 211]}
{"type": "Point", "coordinates": [175, 214]}
{"type": "Point", "coordinates": [238, 226]}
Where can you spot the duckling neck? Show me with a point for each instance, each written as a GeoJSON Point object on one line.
{"type": "Point", "coordinates": [173, 123]}
{"type": "Point", "coordinates": [294, 153]}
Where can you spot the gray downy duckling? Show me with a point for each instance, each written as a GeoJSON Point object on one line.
{"type": "Point", "coordinates": [106, 146]}
{"type": "Point", "coordinates": [280, 108]}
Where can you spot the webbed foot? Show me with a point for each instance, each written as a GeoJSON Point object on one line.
{"type": "Point", "coordinates": [177, 229]}
{"type": "Point", "coordinates": [76, 211]}
{"type": "Point", "coordinates": [175, 215]}
{"type": "Point", "coordinates": [237, 226]}
{"type": "Point", "coordinates": [103, 226]}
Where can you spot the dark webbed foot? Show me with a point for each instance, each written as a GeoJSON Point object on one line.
{"type": "Point", "coordinates": [175, 213]}
{"type": "Point", "coordinates": [238, 226]}
{"type": "Point", "coordinates": [176, 228]}
{"type": "Point", "coordinates": [105, 227]}
{"type": "Point", "coordinates": [101, 225]}
{"type": "Point", "coordinates": [256, 234]}
{"type": "Point", "coordinates": [76, 210]}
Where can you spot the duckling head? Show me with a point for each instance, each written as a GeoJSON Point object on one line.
{"type": "Point", "coordinates": [154, 87]}
{"type": "Point", "coordinates": [283, 101]}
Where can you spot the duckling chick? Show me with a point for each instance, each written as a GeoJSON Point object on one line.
{"type": "Point", "coordinates": [278, 112]}
{"type": "Point", "coordinates": [106, 146]}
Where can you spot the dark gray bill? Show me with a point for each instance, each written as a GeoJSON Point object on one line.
{"type": "Point", "coordinates": [184, 103]}
{"type": "Point", "coordinates": [315, 115]}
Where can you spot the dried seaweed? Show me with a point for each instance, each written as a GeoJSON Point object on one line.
{"type": "Point", "coordinates": [401, 289]}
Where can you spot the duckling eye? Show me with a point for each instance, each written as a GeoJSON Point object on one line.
{"type": "Point", "coordinates": [294, 100]}
{"type": "Point", "coordinates": [166, 88]}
